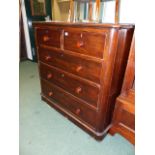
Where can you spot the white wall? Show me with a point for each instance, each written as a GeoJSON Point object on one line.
{"type": "Point", "coordinates": [126, 14]}
{"type": "Point", "coordinates": [127, 11]}
{"type": "Point", "coordinates": [108, 12]}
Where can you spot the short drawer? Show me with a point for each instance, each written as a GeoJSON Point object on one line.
{"type": "Point", "coordinates": [124, 113]}
{"type": "Point", "coordinates": [76, 86]}
{"type": "Point", "coordinates": [49, 37]}
{"type": "Point", "coordinates": [128, 119]}
{"type": "Point", "coordinates": [85, 42]}
{"type": "Point", "coordinates": [80, 110]}
{"type": "Point", "coordinates": [88, 69]}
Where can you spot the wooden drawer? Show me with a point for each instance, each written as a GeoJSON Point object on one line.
{"type": "Point", "coordinates": [63, 99]}
{"type": "Point", "coordinates": [71, 84]}
{"type": "Point", "coordinates": [128, 119]}
{"type": "Point", "coordinates": [49, 37]}
{"type": "Point", "coordinates": [124, 113]}
{"type": "Point", "coordinates": [85, 42]}
{"type": "Point", "coordinates": [88, 69]}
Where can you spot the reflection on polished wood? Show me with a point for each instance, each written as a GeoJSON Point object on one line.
{"type": "Point", "coordinates": [87, 79]}
{"type": "Point", "coordinates": [124, 114]}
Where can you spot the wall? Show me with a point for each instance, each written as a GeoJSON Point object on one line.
{"type": "Point", "coordinates": [127, 11]}
{"type": "Point", "coordinates": [126, 14]}
{"type": "Point", "coordinates": [108, 12]}
{"type": "Point", "coordinates": [60, 10]}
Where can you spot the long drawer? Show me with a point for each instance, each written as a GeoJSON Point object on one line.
{"type": "Point", "coordinates": [72, 84]}
{"type": "Point", "coordinates": [88, 69]}
{"type": "Point", "coordinates": [68, 102]}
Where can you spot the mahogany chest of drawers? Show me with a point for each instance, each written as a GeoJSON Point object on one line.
{"type": "Point", "coordinates": [81, 69]}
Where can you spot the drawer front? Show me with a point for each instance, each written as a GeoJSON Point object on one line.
{"type": "Point", "coordinates": [124, 113]}
{"type": "Point", "coordinates": [69, 103]}
{"type": "Point", "coordinates": [128, 119]}
{"type": "Point", "coordinates": [49, 37]}
{"type": "Point", "coordinates": [73, 85]}
{"type": "Point", "coordinates": [89, 43]}
{"type": "Point", "coordinates": [84, 68]}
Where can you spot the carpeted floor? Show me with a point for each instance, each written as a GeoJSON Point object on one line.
{"type": "Point", "coordinates": [43, 131]}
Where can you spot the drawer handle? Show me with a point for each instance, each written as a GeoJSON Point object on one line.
{"type": "Point", "coordinates": [78, 90]}
{"type": "Point", "coordinates": [50, 94]}
{"type": "Point", "coordinates": [62, 55]}
{"type": "Point", "coordinates": [46, 38]}
{"type": "Point", "coordinates": [47, 31]}
{"type": "Point", "coordinates": [49, 76]}
{"type": "Point", "coordinates": [62, 75]}
{"type": "Point", "coordinates": [79, 44]}
{"type": "Point", "coordinates": [47, 58]}
{"type": "Point", "coordinates": [79, 68]}
{"type": "Point", "coordinates": [78, 111]}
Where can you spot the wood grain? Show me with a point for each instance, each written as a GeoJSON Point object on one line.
{"type": "Point", "coordinates": [124, 115]}
{"type": "Point", "coordinates": [81, 71]}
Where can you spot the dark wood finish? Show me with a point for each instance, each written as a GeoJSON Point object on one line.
{"type": "Point", "coordinates": [49, 37]}
{"type": "Point", "coordinates": [124, 114]}
{"type": "Point", "coordinates": [71, 64]}
{"type": "Point", "coordinates": [70, 83]}
{"type": "Point", "coordinates": [82, 41]}
{"type": "Point", "coordinates": [69, 102]}
{"type": "Point", "coordinates": [39, 24]}
{"type": "Point", "coordinates": [79, 83]}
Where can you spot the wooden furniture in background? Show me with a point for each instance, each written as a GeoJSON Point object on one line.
{"type": "Point", "coordinates": [117, 11]}
{"type": "Point", "coordinates": [83, 10]}
{"type": "Point", "coordinates": [97, 10]}
{"type": "Point", "coordinates": [124, 114]}
{"type": "Point", "coordinates": [81, 70]}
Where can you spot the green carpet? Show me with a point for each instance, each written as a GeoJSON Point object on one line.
{"type": "Point", "coordinates": [43, 131]}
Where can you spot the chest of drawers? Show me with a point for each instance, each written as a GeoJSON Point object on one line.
{"type": "Point", "coordinates": [81, 69]}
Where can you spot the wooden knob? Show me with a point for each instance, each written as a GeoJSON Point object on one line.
{"type": "Point", "coordinates": [46, 38]}
{"type": "Point", "coordinates": [78, 90]}
{"type": "Point", "coordinates": [62, 75]}
{"type": "Point", "coordinates": [50, 94]}
{"type": "Point", "coordinates": [47, 58]}
{"type": "Point", "coordinates": [49, 76]}
{"type": "Point", "coordinates": [78, 68]}
{"type": "Point", "coordinates": [46, 31]}
{"type": "Point", "coordinates": [62, 55]}
{"type": "Point", "coordinates": [79, 44]}
{"type": "Point", "coordinates": [78, 111]}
